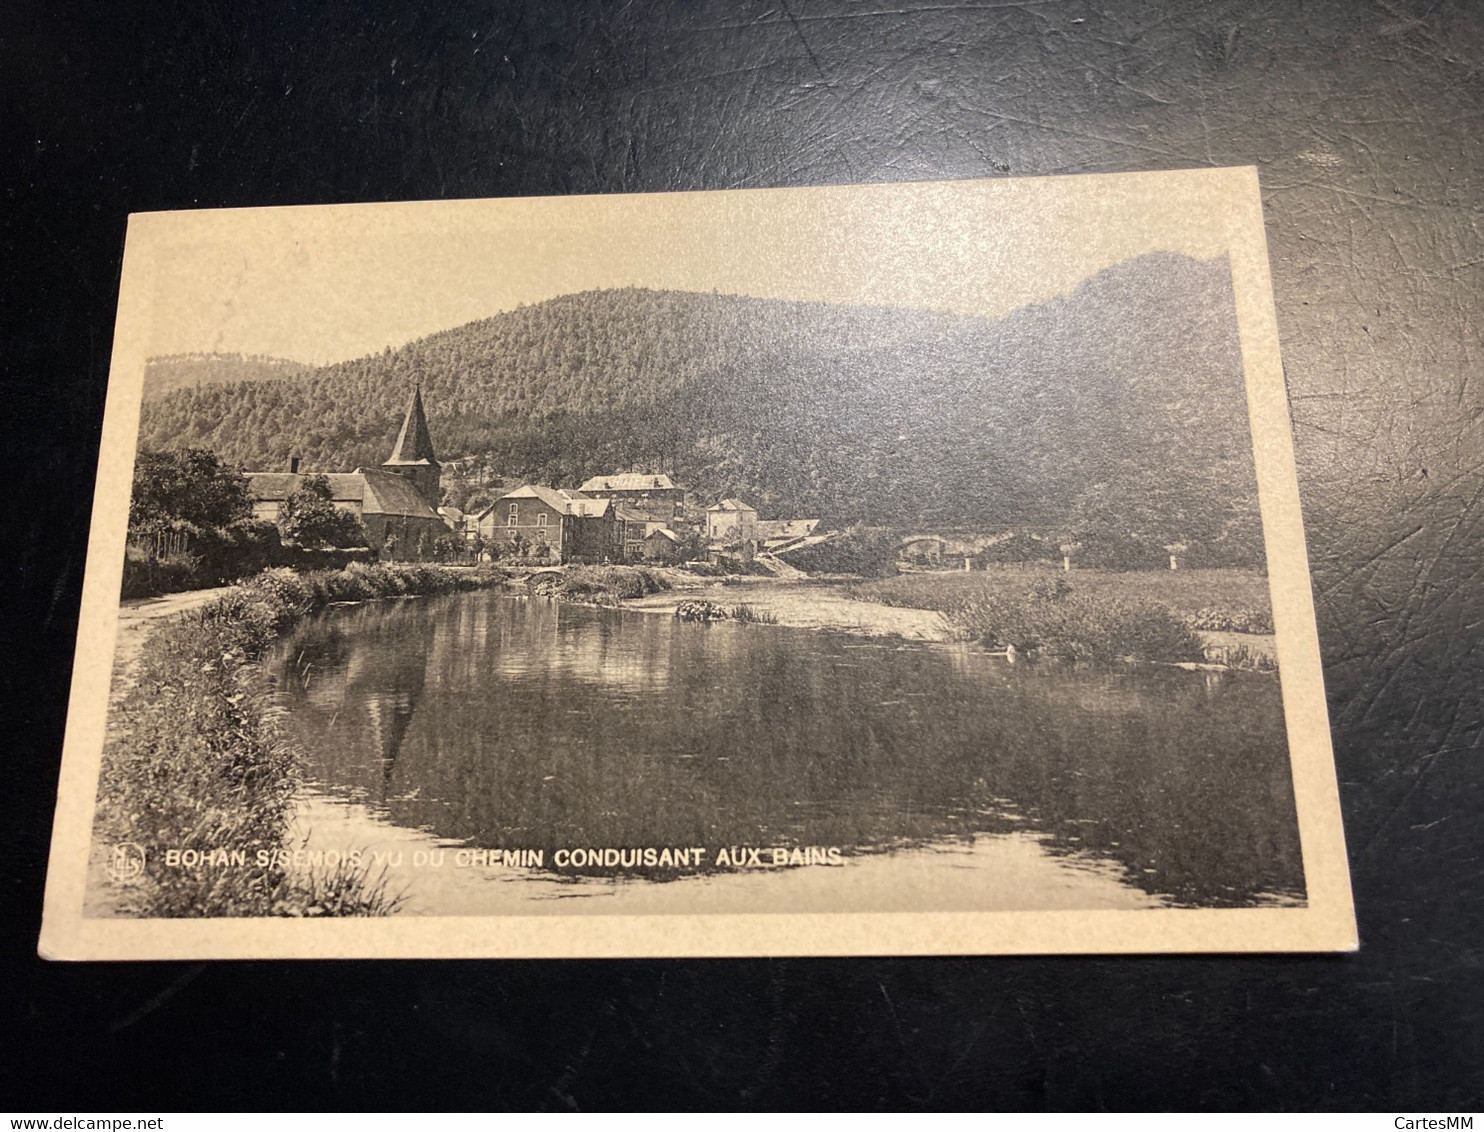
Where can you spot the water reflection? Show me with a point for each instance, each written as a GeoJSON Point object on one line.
{"type": "Point", "coordinates": [506, 722]}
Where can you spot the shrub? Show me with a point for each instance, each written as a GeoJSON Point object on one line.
{"type": "Point", "coordinates": [605, 585]}
{"type": "Point", "coordinates": [1079, 627]}
{"type": "Point", "coordinates": [238, 550]}
{"type": "Point", "coordinates": [864, 551]}
{"type": "Point", "coordinates": [309, 518]}
{"type": "Point", "coordinates": [697, 610]}
{"type": "Point", "coordinates": [148, 576]}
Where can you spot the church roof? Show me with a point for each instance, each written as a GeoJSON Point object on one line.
{"type": "Point", "coordinates": [375, 492]}
{"type": "Point", "coordinates": [414, 444]}
{"type": "Point", "coordinates": [275, 487]}
{"type": "Point", "coordinates": [387, 493]}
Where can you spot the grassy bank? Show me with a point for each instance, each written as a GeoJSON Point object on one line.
{"type": "Point", "coordinates": [1089, 614]}
{"type": "Point", "coordinates": [195, 758]}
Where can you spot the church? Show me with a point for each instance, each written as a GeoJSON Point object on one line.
{"type": "Point", "coordinates": [396, 503]}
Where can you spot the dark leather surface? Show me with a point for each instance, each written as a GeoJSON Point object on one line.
{"type": "Point", "coordinates": [1365, 122]}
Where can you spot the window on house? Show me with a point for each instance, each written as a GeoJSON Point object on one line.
{"type": "Point", "coordinates": [541, 520]}
{"type": "Point", "coordinates": [514, 519]}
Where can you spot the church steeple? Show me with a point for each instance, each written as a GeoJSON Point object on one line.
{"type": "Point", "coordinates": [412, 456]}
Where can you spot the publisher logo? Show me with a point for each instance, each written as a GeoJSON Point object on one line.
{"type": "Point", "coordinates": [126, 862]}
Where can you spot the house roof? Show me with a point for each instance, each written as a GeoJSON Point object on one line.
{"type": "Point", "coordinates": [414, 444]}
{"type": "Point", "coordinates": [275, 487]}
{"type": "Point", "coordinates": [589, 508]}
{"type": "Point", "coordinates": [562, 502]}
{"type": "Point", "coordinates": [547, 495]}
{"type": "Point", "coordinates": [629, 481]}
{"type": "Point", "coordinates": [663, 532]}
{"type": "Point", "coordinates": [376, 492]}
{"type": "Point", "coordinates": [730, 504]}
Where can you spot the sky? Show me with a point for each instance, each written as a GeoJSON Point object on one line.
{"type": "Point", "coordinates": [324, 283]}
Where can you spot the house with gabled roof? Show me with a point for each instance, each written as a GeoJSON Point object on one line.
{"type": "Point", "coordinates": [662, 545]}
{"type": "Point", "coordinates": [731, 521]}
{"type": "Point", "coordinates": [547, 522]}
{"type": "Point", "coordinates": [656, 495]}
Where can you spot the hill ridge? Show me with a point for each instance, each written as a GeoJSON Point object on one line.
{"type": "Point", "coordinates": [1088, 400]}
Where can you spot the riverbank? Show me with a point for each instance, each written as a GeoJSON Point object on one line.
{"type": "Point", "coordinates": [138, 618]}
{"type": "Point", "coordinates": [195, 761]}
{"type": "Point", "coordinates": [1215, 618]}
{"type": "Point", "coordinates": [1193, 617]}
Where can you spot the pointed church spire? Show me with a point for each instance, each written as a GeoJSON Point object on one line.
{"type": "Point", "coordinates": [412, 457]}
{"type": "Point", "coordinates": [414, 444]}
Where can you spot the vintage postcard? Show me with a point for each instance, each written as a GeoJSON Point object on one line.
{"type": "Point", "coordinates": [879, 569]}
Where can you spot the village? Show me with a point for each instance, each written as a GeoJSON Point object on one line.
{"type": "Point", "coordinates": [621, 518]}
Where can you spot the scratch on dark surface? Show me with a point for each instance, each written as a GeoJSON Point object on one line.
{"type": "Point", "coordinates": [906, 1048]}
{"type": "Point", "coordinates": [1070, 132]}
{"type": "Point", "coordinates": [813, 58]}
{"type": "Point", "coordinates": [561, 1088]}
{"type": "Point", "coordinates": [1375, 556]}
{"type": "Point", "coordinates": [153, 1003]}
{"type": "Point", "coordinates": [1425, 764]}
{"type": "Point", "coordinates": [925, 9]}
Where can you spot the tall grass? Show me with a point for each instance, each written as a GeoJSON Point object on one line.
{"type": "Point", "coordinates": [196, 758]}
{"type": "Point", "coordinates": [1043, 612]}
{"type": "Point", "coordinates": [1188, 594]}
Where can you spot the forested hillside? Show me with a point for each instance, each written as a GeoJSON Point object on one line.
{"type": "Point", "coordinates": [1121, 405]}
{"type": "Point", "coordinates": [169, 372]}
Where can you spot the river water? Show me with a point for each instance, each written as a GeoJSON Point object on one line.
{"type": "Point", "coordinates": [907, 775]}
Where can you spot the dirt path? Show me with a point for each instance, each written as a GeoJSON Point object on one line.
{"type": "Point", "coordinates": [137, 619]}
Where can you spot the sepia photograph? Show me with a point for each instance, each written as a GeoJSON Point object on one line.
{"type": "Point", "coordinates": [910, 568]}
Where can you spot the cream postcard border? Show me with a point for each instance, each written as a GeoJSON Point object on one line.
{"type": "Point", "coordinates": [1326, 923]}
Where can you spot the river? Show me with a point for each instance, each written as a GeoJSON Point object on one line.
{"type": "Point", "coordinates": [838, 772]}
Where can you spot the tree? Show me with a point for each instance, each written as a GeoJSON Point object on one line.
{"type": "Point", "coordinates": [309, 518]}
{"type": "Point", "coordinates": [189, 485]}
